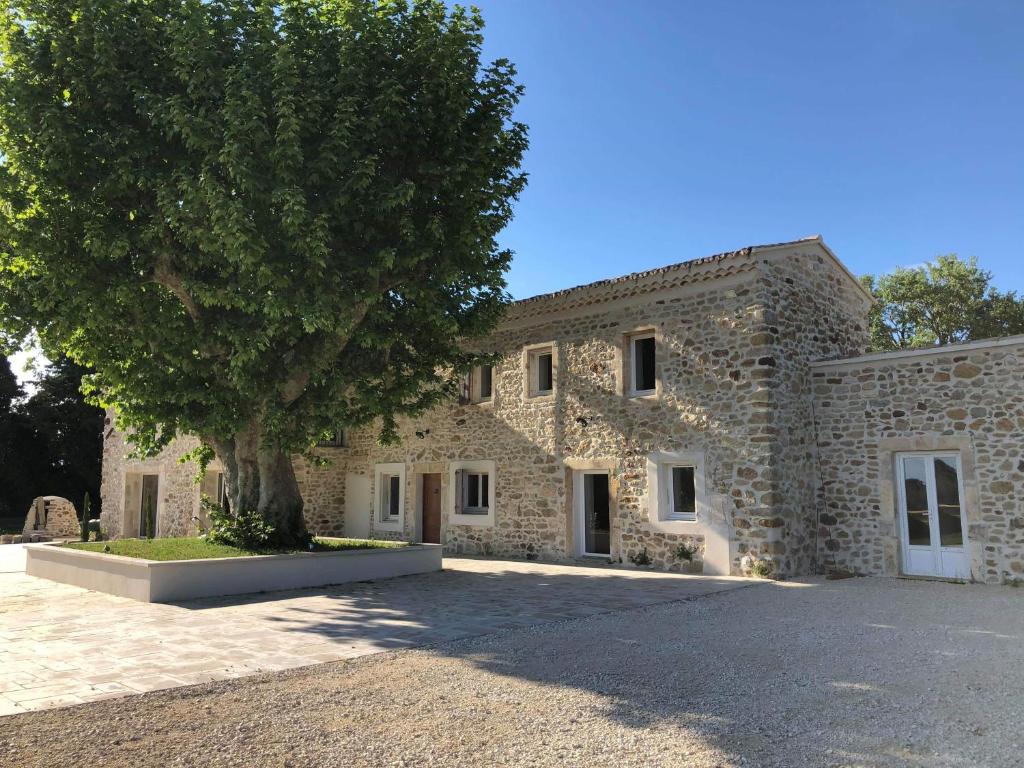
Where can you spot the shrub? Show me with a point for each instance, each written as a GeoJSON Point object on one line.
{"type": "Point", "coordinates": [685, 552]}
{"type": "Point", "coordinates": [245, 529]}
{"type": "Point", "coordinates": [762, 568]}
{"type": "Point", "coordinates": [640, 558]}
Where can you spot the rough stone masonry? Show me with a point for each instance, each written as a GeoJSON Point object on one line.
{"type": "Point", "coordinates": [775, 440]}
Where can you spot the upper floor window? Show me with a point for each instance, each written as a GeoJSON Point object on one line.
{"type": "Point", "coordinates": [335, 439]}
{"type": "Point", "coordinates": [481, 384]}
{"type": "Point", "coordinates": [642, 359]}
{"type": "Point", "coordinates": [541, 370]}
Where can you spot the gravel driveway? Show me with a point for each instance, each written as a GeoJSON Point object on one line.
{"type": "Point", "coordinates": [867, 672]}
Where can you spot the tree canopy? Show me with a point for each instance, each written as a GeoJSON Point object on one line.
{"type": "Point", "coordinates": [257, 221]}
{"type": "Point", "coordinates": [945, 301]}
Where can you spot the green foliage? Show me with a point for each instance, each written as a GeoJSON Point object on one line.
{"type": "Point", "coordinates": [762, 568]}
{"type": "Point", "coordinates": [946, 301]}
{"type": "Point", "coordinates": [685, 552]}
{"type": "Point", "coordinates": [272, 213]}
{"type": "Point", "coordinates": [641, 558]}
{"type": "Point", "coordinates": [245, 529]}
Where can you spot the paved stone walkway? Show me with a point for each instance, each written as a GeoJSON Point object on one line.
{"type": "Point", "coordinates": [62, 645]}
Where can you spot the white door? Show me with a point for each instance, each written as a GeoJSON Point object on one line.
{"type": "Point", "coordinates": [592, 502]}
{"type": "Point", "coordinates": [931, 515]}
{"type": "Point", "coordinates": [358, 506]}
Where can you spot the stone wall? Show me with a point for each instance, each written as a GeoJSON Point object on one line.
{"type": "Point", "coordinates": [968, 400]}
{"type": "Point", "coordinates": [813, 312]}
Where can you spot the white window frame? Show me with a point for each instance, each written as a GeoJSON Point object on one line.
{"type": "Point", "coordinates": [631, 367]}
{"type": "Point", "coordinates": [380, 471]}
{"type": "Point", "coordinates": [475, 385]}
{"type": "Point", "coordinates": [659, 484]}
{"type": "Point", "coordinates": [531, 357]}
{"type": "Point", "coordinates": [456, 492]}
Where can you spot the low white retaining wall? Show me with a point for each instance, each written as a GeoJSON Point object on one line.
{"type": "Point", "coordinates": [154, 581]}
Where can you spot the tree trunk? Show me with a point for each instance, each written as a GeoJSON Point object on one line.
{"type": "Point", "coordinates": [260, 477]}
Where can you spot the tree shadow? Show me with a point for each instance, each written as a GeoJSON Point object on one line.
{"type": "Point", "coordinates": [861, 672]}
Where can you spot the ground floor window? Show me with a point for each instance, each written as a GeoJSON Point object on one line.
{"type": "Point", "coordinates": [473, 492]}
{"type": "Point", "coordinates": [676, 494]}
{"type": "Point", "coordinates": [389, 496]}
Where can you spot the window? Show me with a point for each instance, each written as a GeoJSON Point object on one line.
{"type": "Point", "coordinates": [675, 491]}
{"type": "Point", "coordinates": [336, 439]}
{"type": "Point", "coordinates": [682, 493]}
{"type": "Point", "coordinates": [389, 497]}
{"type": "Point", "coordinates": [475, 493]}
{"type": "Point", "coordinates": [481, 383]}
{"type": "Point", "coordinates": [472, 498]}
{"type": "Point", "coordinates": [541, 370]}
{"type": "Point", "coordinates": [642, 376]}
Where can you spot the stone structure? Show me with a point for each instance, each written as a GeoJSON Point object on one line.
{"type": "Point", "coordinates": [52, 516]}
{"type": "Point", "coordinates": [715, 464]}
{"type": "Point", "coordinates": [964, 400]}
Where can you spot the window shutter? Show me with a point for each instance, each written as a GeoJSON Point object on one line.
{"type": "Point", "coordinates": [459, 490]}
{"type": "Point", "coordinates": [464, 384]}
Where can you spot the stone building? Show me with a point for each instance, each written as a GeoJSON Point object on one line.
{"type": "Point", "coordinates": [681, 418]}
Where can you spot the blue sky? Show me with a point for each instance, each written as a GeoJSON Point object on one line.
{"type": "Point", "coordinates": [665, 130]}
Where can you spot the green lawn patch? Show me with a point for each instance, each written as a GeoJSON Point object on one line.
{"type": "Point", "coordinates": [200, 549]}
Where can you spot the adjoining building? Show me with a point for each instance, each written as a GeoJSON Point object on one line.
{"type": "Point", "coordinates": [689, 418]}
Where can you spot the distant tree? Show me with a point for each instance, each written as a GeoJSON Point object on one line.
{"type": "Point", "coordinates": [946, 301]}
{"type": "Point", "coordinates": [66, 434]}
{"type": "Point", "coordinates": [15, 476]}
{"type": "Point", "coordinates": [256, 221]}
{"type": "Point", "coordinates": [50, 442]}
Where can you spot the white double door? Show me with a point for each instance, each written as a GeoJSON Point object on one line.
{"type": "Point", "coordinates": [931, 515]}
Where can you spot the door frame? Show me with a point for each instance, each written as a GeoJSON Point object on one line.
{"type": "Point", "coordinates": [933, 522]}
{"type": "Point", "coordinates": [579, 512]}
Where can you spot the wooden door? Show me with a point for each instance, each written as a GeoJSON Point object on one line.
{"type": "Point", "coordinates": [432, 509]}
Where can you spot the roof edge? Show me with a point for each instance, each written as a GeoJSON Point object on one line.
{"type": "Point", "coordinates": [906, 354]}
{"type": "Point", "coordinates": [681, 265]}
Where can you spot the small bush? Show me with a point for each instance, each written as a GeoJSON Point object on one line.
{"type": "Point", "coordinates": [685, 552]}
{"type": "Point", "coordinates": [245, 529]}
{"type": "Point", "coordinates": [762, 568]}
{"type": "Point", "coordinates": [640, 558]}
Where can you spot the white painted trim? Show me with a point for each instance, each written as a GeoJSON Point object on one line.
{"type": "Point", "coordinates": [379, 470]}
{"type": "Point", "coordinates": [657, 500]}
{"type": "Point", "coordinates": [933, 520]}
{"type": "Point", "coordinates": [530, 351]}
{"type": "Point", "coordinates": [905, 354]}
{"type": "Point", "coordinates": [453, 501]}
{"type": "Point", "coordinates": [629, 369]}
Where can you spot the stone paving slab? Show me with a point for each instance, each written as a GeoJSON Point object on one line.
{"type": "Point", "coordinates": [62, 645]}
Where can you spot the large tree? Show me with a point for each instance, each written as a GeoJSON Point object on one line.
{"type": "Point", "coordinates": [945, 301]}
{"type": "Point", "coordinates": [256, 221]}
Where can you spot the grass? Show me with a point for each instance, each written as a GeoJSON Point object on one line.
{"type": "Point", "coordinates": [199, 549]}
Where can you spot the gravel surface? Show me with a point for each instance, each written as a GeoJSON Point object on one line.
{"type": "Point", "coordinates": [866, 672]}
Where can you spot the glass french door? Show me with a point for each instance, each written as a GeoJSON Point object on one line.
{"type": "Point", "coordinates": [931, 515]}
